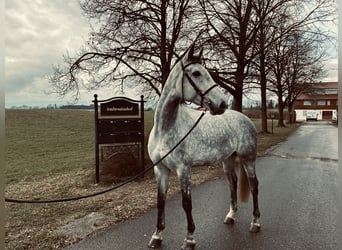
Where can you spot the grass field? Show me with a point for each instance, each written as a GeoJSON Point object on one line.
{"type": "Point", "coordinates": [50, 153]}
{"type": "Point", "coordinates": [48, 142]}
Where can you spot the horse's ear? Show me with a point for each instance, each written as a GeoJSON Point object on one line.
{"type": "Point", "coordinates": [191, 52]}
{"type": "Point", "coordinates": [191, 56]}
{"type": "Point", "coordinates": [200, 54]}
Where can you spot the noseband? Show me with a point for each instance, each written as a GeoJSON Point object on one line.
{"type": "Point", "coordinates": [198, 91]}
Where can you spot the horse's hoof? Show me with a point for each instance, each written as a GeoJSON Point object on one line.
{"type": "Point", "coordinates": [255, 228]}
{"type": "Point", "coordinates": [229, 221]}
{"type": "Point", "coordinates": [155, 243]}
{"type": "Point", "coordinates": [188, 244]}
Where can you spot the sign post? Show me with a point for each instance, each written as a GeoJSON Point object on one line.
{"type": "Point", "coordinates": [118, 121]}
{"type": "Point", "coordinates": [272, 116]}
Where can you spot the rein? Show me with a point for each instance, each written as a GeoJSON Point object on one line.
{"type": "Point", "coordinates": [198, 91]}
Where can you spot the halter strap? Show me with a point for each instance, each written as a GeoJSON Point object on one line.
{"type": "Point", "coordinates": [198, 91]}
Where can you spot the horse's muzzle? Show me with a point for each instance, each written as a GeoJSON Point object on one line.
{"type": "Point", "coordinates": [218, 109]}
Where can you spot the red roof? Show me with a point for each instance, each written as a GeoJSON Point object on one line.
{"type": "Point", "coordinates": [320, 96]}
{"type": "Point", "coordinates": [317, 97]}
{"type": "Point", "coordinates": [326, 85]}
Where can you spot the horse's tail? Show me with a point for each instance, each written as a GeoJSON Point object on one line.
{"type": "Point", "coordinates": [244, 185]}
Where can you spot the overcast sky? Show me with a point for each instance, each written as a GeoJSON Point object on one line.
{"type": "Point", "coordinates": [38, 33]}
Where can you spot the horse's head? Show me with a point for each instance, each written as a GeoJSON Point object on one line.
{"type": "Point", "coordinates": [198, 86]}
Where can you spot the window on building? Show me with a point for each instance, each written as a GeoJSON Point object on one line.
{"type": "Point", "coordinates": [321, 102]}
{"type": "Point", "coordinates": [308, 103]}
{"type": "Point", "coordinates": [330, 91]}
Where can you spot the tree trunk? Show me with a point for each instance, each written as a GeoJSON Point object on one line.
{"type": "Point", "coordinates": [237, 103]}
{"type": "Point", "coordinates": [291, 114]}
{"type": "Point", "coordinates": [281, 112]}
{"type": "Point", "coordinates": [263, 105]}
{"type": "Point", "coordinates": [263, 82]}
{"type": "Point", "coordinates": [163, 43]}
{"type": "Point", "coordinates": [239, 77]}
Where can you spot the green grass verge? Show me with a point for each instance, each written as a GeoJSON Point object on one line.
{"type": "Point", "coordinates": [47, 142]}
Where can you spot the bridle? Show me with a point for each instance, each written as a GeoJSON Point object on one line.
{"type": "Point", "coordinates": [198, 91]}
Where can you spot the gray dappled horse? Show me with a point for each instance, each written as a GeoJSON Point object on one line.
{"type": "Point", "coordinates": [219, 137]}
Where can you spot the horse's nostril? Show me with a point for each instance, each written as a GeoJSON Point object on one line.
{"type": "Point", "coordinates": [223, 105]}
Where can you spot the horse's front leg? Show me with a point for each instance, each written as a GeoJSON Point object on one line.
{"type": "Point", "coordinates": [185, 182]}
{"type": "Point", "coordinates": [162, 177]}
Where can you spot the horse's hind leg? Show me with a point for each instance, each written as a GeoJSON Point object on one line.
{"type": "Point", "coordinates": [249, 167]}
{"type": "Point", "coordinates": [228, 167]}
{"type": "Point", "coordinates": [162, 177]}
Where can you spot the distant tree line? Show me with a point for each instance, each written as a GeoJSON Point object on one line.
{"type": "Point", "coordinates": [91, 106]}
{"type": "Point", "coordinates": [275, 46]}
{"type": "Point", "coordinates": [54, 106]}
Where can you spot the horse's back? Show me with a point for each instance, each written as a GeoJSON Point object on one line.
{"type": "Point", "coordinates": [242, 121]}
{"type": "Point", "coordinates": [230, 121]}
{"type": "Point", "coordinates": [218, 136]}
{"type": "Point", "coordinates": [238, 129]}
{"type": "Point", "coordinates": [245, 132]}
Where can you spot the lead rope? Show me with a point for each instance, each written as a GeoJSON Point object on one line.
{"type": "Point", "coordinates": [115, 186]}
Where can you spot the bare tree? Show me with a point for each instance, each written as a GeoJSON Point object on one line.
{"type": "Point", "coordinates": [232, 29]}
{"type": "Point", "coordinates": [278, 19]}
{"type": "Point", "coordinates": [304, 67]}
{"type": "Point", "coordinates": [278, 61]}
{"type": "Point", "coordinates": [131, 41]}
{"type": "Point", "coordinates": [137, 42]}
{"type": "Point", "coordinates": [296, 64]}
{"type": "Point", "coordinates": [309, 43]}
{"type": "Point", "coordinates": [296, 58]}
{"type": "Point", "coordinates": [268, 16]}
{"type": "Point", "coordinates": [242, 33]}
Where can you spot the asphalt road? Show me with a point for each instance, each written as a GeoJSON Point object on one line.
{"type": "Point", "coordinates": [297, 197]}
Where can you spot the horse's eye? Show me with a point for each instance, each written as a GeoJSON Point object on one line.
{"type": "Point", "coordinates": [196, 73]}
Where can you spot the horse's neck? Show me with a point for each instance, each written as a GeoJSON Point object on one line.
{"type": "Point", "coordinates": [166, 111]}
{"type": "Point", "coordinates": [168, 105]}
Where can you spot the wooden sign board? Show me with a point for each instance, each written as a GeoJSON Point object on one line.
{"type": "Point", "coordinates": [119, 108]}
{"type": "Point", "coordinates": [118, 120]}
